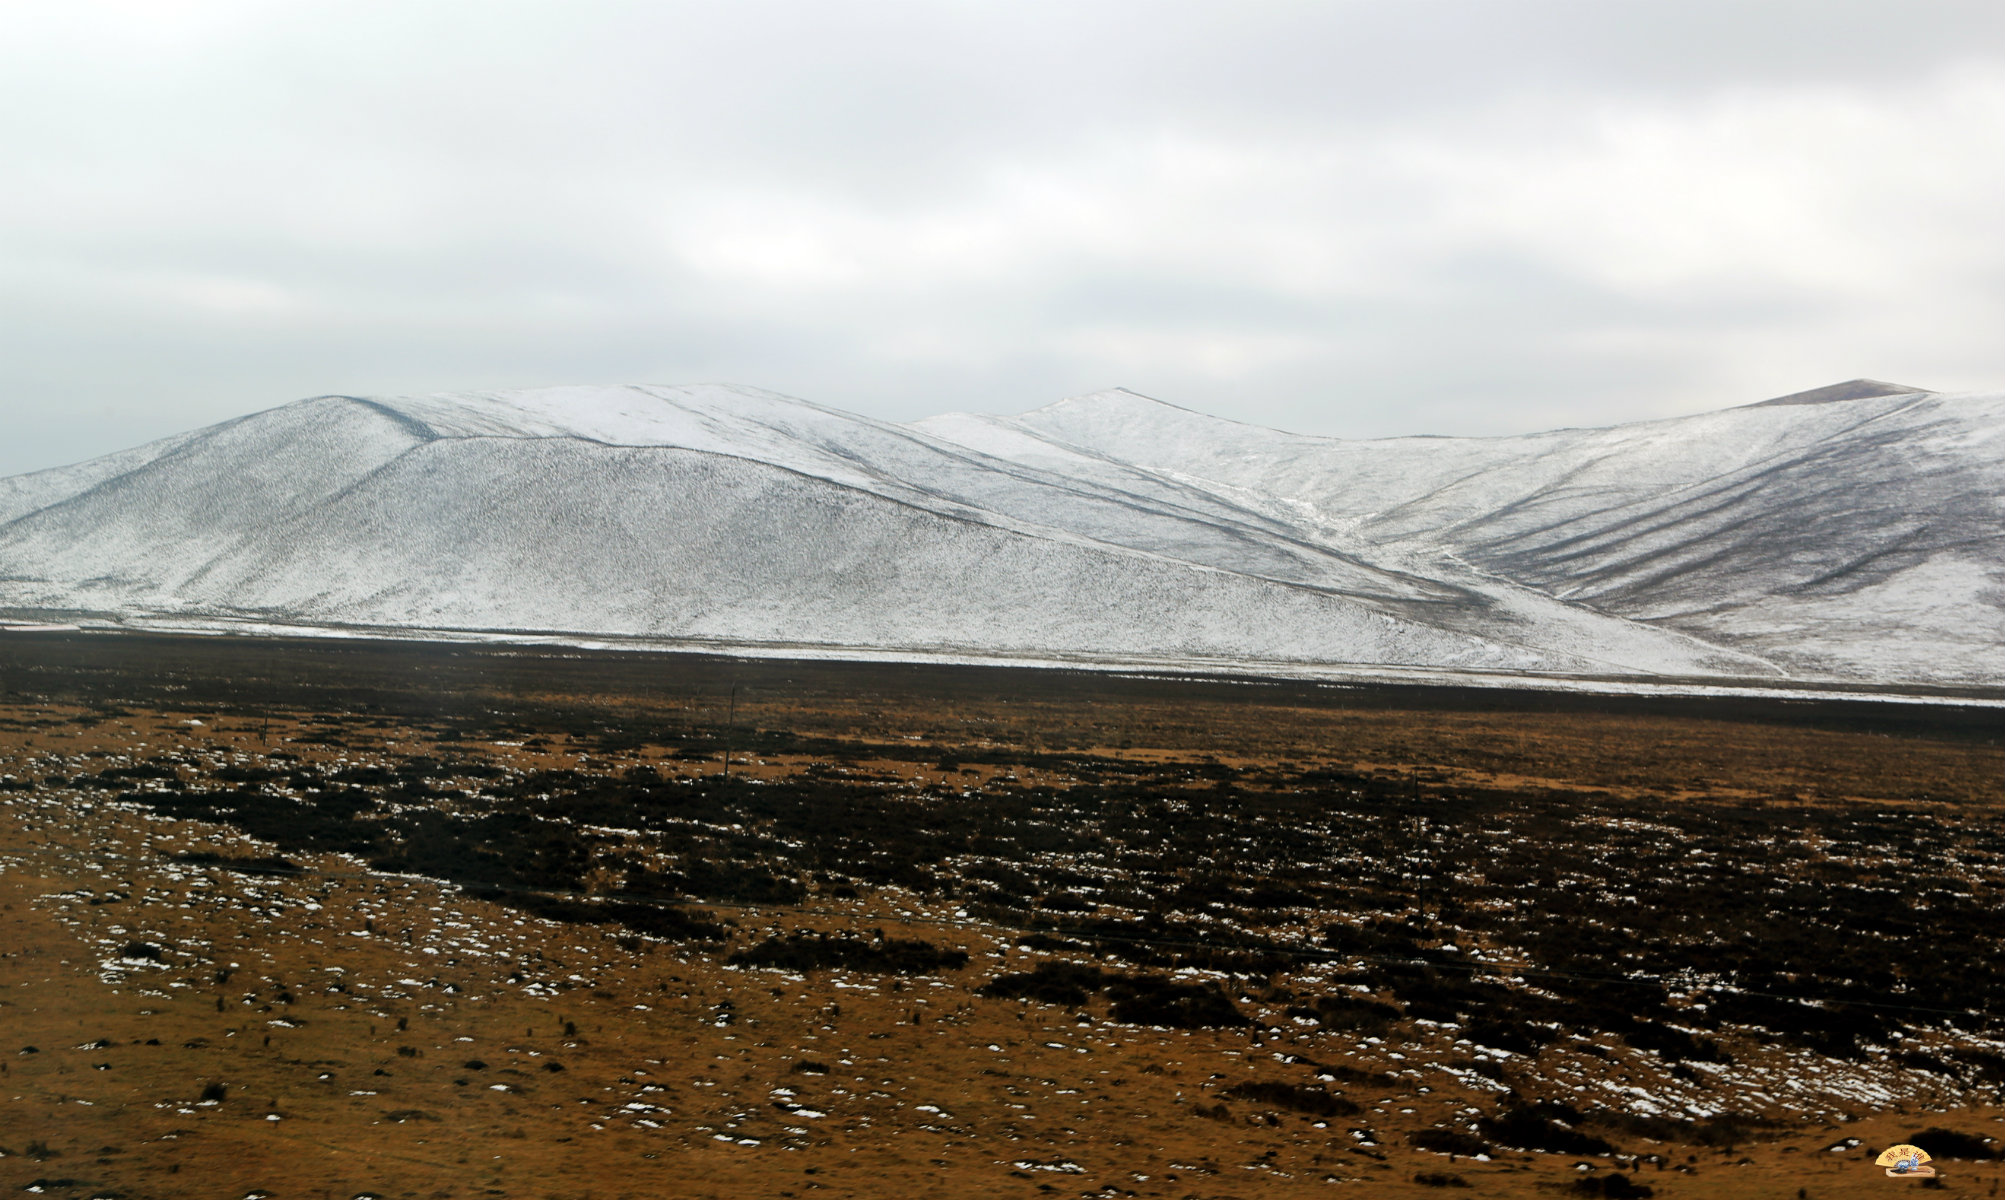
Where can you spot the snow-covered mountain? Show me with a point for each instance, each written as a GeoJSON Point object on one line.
{"type": "Point", "coordinates": [1849, 534]}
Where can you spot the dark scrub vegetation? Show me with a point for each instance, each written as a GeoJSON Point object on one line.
{"type": "Point", "coordinates": [1547, 1126]}
{"type": "Point", "coordinates": [1950, 1143]}
{"type": "Point", "coordinates": [1528, 916]}
{"type": "Point", "coordinates": [1302, 1098]}
{"type": "Point", "coordinates": [845, 952]}
{"type": "Point", "coordinates": [1641, 922]}
{"type": "Point", "coordinates": [1138, 999]}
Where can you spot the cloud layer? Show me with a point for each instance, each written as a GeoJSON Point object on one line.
{"type": "Point", "coordinates": [1349, 218]}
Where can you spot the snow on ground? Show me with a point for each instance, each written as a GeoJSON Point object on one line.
{"type": "Point", "coordinates": [1856, 540]}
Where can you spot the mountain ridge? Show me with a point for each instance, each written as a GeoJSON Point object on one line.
{"type": "Point", "coordinates": [1850, 389]}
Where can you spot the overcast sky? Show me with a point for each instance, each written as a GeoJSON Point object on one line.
{"type": "Point", "coordinates": [1360, 219]}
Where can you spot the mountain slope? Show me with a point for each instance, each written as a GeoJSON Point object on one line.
{"type": "Point", "coordinates": [720, 515]}
{"type": "Point", "coordinates": [1856, 531]}
{"type": "Point", "coordinates": [1854, 536]}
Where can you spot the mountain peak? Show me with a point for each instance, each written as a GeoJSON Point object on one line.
{"type": "Point", "coordinates": [1851, 389]}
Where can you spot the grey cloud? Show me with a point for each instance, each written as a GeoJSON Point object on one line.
{"type": "Point", "coordinates": [1354, 218]}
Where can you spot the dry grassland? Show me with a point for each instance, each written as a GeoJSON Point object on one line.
{"type": "Point", "coordinates": [341, 920]}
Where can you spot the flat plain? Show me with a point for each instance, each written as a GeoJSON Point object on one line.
{"type": "Point", "coordinates": [342, 918]}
